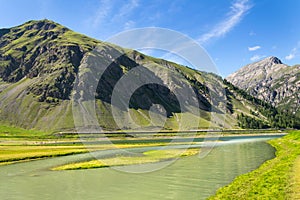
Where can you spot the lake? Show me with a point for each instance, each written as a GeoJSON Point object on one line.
{"type": "Point", "coordinates": [187, 178]}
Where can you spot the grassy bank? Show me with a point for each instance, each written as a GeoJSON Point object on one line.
{"type": "Point", "coordinates": [296, 180]}
{"type": "Point", "coordinates": [146, 157]}
{"type": "Point", "coordinates": [275, 179]}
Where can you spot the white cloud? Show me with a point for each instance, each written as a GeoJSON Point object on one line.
{"type": "Point", "coordinates": [128, 7]}
{"type": "Point", "coordinates": [102, 13]}
{"type": "Point", "coordinates": [254, 48]}
{"type": "Point", "coordinates": [237, 11]}
{"type": "Point", "coordinates": [256, 58]}
{"type": "Point", "coordinates": [125, 10]}
{"type": "Point", "coordinates": [129, 25]}
{"type": "Point", "coordinates": [252, 33]}
{"type": "Point", "coordinates": [110, 12]}
{"type": "Point", "coordinates": [293, 53]}
{"type": "Point", "coordinates": [290, 56]}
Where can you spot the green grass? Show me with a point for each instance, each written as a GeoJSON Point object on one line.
{"type": "Point", "coordinates": [296, 180]}
{"type": "Point", "coordinates": [10, 154]}
{"type": "Point", "coordinates": [19, 145]}
{"type": "Point", "coordinates": [275, 179]}
{"type": "Point", "coordinates": [27, 112]}
{"type": "Point", "coordinates": [9, 131]}
{"type": "Point", "coordinates": [147, 157]}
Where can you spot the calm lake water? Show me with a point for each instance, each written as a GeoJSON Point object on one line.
{"type": "Point", "coordinates": [187, 178]}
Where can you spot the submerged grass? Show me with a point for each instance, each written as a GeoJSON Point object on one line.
{"type": "Point", "coordinates": [147, 157]}
{"type": "Point", "coordinates": [10, 154]}
{"type": "Point", "coordinates": [19, 145]}
{"type": "Point", "coordinates": [275, 179]}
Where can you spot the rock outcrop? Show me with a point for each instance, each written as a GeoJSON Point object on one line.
{"type": "Point", "coordinates": [272, 81]}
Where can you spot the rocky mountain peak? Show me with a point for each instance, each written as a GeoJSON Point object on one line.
{"type": "Point", "coordinates": [271, 60]}
{"type": "Point", "coordinates": [251, 74]}
{"type": "Point", "coordinates": [42, 25]}
{"type": "Point", "coordinates": [267, 65]}
{"type": "Point", "coordinates": [272, 81]}
{"type": "Point", "coordinates": [33, 26]}
{"type": "Point", "coordinates": [42, 48]}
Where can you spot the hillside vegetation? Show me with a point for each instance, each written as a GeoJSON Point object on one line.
{"type": "Point", "coordinates": [45, 67]}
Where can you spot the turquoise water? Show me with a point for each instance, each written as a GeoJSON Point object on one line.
{"type": "Point", "coordinates": [187, 178]}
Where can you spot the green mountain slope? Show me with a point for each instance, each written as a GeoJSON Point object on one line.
{"type": "Point", "coordinates": [45, 66]}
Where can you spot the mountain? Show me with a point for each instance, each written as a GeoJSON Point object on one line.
{"type": "Point", "coordinates": [46, 71]}
{"type": "Point", "coordinates": [272, 81]}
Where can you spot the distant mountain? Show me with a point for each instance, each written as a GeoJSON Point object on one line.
{"type": "Point", "coordinates": [40, 62]}
{"type": "Point", "coordinates": [272, 81]}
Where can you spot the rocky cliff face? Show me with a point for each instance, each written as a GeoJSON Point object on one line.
{"type": "Point", "coordinates": [42, 49]}
{"type": "Point", "coordinates": [271, 81]}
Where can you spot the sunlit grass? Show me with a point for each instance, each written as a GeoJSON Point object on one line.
{"type": "Point", "coordinates": [6, 131]}
{"type": "Point", "coordinates": [147, 157]}
{"type": "Point", "coordinates": [15, 153]}
{"type": "Point", "coordinates": [296, 180]}
{"type": "Point", "coordinates": [15, 149]}
{"type": "Point", "coordinates": [275, 179]}
{"type": "Point", "coordinates": [11, 153]}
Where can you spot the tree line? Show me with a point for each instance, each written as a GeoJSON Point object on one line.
{"type": "Point", "coordinates": [275, 117]}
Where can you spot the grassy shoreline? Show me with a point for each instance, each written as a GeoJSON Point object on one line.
{"type": "Point", "coordinates": [296, 180]}
{"type": "Point", "coordinates": [275, 179]}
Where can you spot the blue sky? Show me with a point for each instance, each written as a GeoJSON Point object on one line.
{"type": "Point", "coordinates": [234, 32]}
